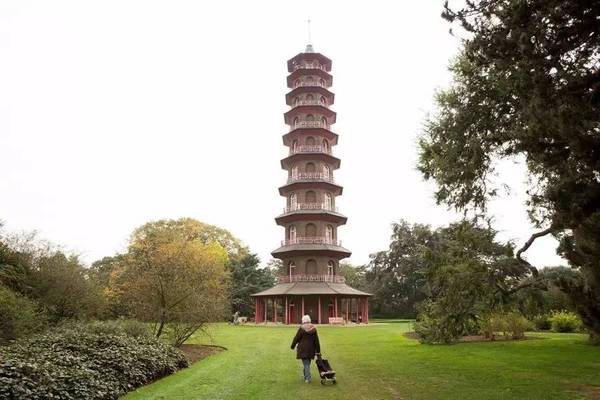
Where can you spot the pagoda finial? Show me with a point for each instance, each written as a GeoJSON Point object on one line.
{"type": "Point", "coordinates": [309, 47]}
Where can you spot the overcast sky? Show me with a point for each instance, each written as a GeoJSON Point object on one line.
{"type": "Point", "coordinates": [115, 113]}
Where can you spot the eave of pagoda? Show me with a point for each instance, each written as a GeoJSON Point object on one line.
{"type": "Point", "coordinates": [289, 116]}
{"type": "Point", "coordinates": [309, 71]}
{"type": "Point", "coordinates": [298, 58]}
{"type": "Point", "coordinates": [318, 215]}
{"type": "Point", "coordinates": [289, 161]}
{"type": "Point", "coordinates": [331, 187]}
{"type": "Point", "coordinates": [289, 98]}
{"type": "Point", "coordinates": [297, 133]}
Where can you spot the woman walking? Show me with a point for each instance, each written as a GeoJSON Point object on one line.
{"type": "Point", "coordinates": [307, 340]}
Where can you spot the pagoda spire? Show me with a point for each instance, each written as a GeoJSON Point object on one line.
{"type": "Point", "coordinates": [309, 46]}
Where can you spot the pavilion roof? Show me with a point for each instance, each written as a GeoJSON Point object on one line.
{"type": "Point", "coordinates": [307, 288]}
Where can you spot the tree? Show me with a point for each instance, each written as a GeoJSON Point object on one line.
{"type": "Point", "coordinates": [527, 84]}
{"type": "Point", "coordinates": [354, 275]}
{"type": "Point", "coordinates": [174, 278]}
{"type": "Point", "coordinates": [467, 275]}
{"type": "Point", "coordinates": [246, 279]}
{"type": "Point", "coordinates": [395, 277]}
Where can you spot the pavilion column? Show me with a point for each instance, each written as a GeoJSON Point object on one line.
{"type": "Point", "coordinates": [319, 314]}
{"type": "Point", "coordinates": [302, 307]}
{"type": "Point", "coordinates": [287, 320]}
{"type": "Point", "coordinates": [367, 309]}
{"type": "Point", "coordinates": [266, 305]}
{"type": "Point", "coordinates": [347, 310]}
{"type": "Point", "coordinates": [275, 309]}
{"type": "Point", "coordinates": [335, 306]}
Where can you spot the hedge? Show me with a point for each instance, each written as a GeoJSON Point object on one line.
{"type": "Point", "coordinates": [83, 362]}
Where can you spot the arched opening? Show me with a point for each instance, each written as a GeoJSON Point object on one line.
{"type": "Point", "coordinates": [310, 80]}
{"type": "Point", "coordinates": [324, 122]}
{"type": "Point", "coordinates": [310, 167]}
{"type": "Point", "coordinates": [325, 146]}
{"type": "Point", "coordinates": [291, 269]}
{"type": "Point", "coordinates": [311, 230]}
{"type": "Point", "coordinates": [296, 101]}
{"type": "Point", "coordinates": [309, 97]}
{"type": "Point", "coordinates": [329, 233]}
{"type": "Point", "coordinates": [310, 117]}
{"type": "Point", "coordinates": [323, 100]}
{"type": "Point", "coordinates": [310, 197]}
{"type": "Point", "coordinates": [295, 172]}
{"type": "Point", "coordinates": [328, 201]}
{"type": "Point", "coordinates": [310, 141]}
{"type": "Point", "coordinates": [293, 202]}
{"type": "Point", "coordinates": [295, 146]}
{"type": "Point", "coordinates": [297, 83]}
{"type": "Point", "coordinates": [311, 267]}
{"type": "Point", "coordinates": [326, 172]}
{"type": "Point", "coordinates": [321, 82]}
{"type": "Point", "coordinates": [296, 122]}
{"type": "Point", "coordinates": [292, 234]}
{"type": "Point", "coordinates": [330, 267]}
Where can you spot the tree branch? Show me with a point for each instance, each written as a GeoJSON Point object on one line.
{"type": "Point", "coordinates": [528, 244]}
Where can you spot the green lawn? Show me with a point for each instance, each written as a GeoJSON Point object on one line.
{"type": "Point", "coordinates": [378, 362]}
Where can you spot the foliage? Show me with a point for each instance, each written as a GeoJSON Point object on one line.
{"type": "Point", "coordinates": [248, 278]}
{"type": "Point", "coordinates": [564, 321]}
{"type": "Point", "coordinates": [170, 276]}
{"type": "Point", "coordinates": [509, 324]}
{"type": "Point", "coordinates": [396, 276]}
{"type": "Point", "coordinates": [80, 362]}
{"type": "Point", "coordinates": [527, 86]}
{"type": "Point", "coordinates": [541, 322]}
{"type": "Point", "coordinates": [467, 274]}
{"type": "Point", "coordinates": [19, 316]}
{"type": "Point", "coordinates": [354, 275]}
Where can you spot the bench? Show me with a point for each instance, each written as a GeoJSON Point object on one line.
{"type": "Point", "coordinates": [336, 321]}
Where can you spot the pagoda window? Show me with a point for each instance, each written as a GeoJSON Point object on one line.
{"type": "Point", "coordinates": [296, 101]}
{"type": "Point", "coordinates": [296, 122]}
{"type": "Point", "coordinates": [309, 97]}
{"type": "Point", "coordinates": [310, 167]}
{"type": "Point", "coordinates": [321, 82]}
{"type": "Point", "coordinates": [310, 141]}
{"type": "Point", "coordinates": [292, 268]}
{"type": "Point", "coordinates": [292, 233]}
{"type": "Point", "coordinates": [326, 172]}
{"type": "Point", "coordinates": [323, 101]}
{"type": "Point", "coordinates": [324, 122]}
{"type": "Point", "coordinates": [325, 146]}
{"type": "Point", "coordinates": [295, 146]}
{"type": "Point", "coordinates": [297, 83]}
{"type": "Point", "coordinates": [310, 117]}
{"type": "Point", "coordinates": [330, 267]}
{"type": "Point", "coordinates": [293, 201]}
{"type": "Point", "coordinates": [328, 201]}
{"type": "Point", "coordinates": [295, 172]}
{"type": "Point", "coordinates": [329, 233]}
{"type": "Point", "coordinates": [310, 197]}
{"type": "Point", "coordinates": [311, 267]}
{"type": "Point", "coordinates": [310, 79]}
{"type": "Point", "coordinates": [311, 230]}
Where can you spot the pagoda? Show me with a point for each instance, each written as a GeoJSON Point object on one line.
{"type": "Point", "coordinates": [311, 251]}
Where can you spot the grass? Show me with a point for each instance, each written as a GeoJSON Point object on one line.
{"type": "Point", "coordinates": [378, 362]}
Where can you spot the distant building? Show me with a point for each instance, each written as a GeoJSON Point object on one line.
{"type": "Point", "coordinates": [311, 250]}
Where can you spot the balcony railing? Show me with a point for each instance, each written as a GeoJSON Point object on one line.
{"type": "Point", "coordinates": [309, 124]}
{"type": "Point", "coordinates": [311, 240]}
{"type": "Point", "coordinates": [309, 66]}
{"type": "Point", "coordinates": [311, 176]}
{"type": "Point", "coordinates": [311, 278]}
{"type": "Point", "coordinates": [310, 103]}
{"type": "Point", "coordinates": [310, 149]}
{"type": "Point", "coordinates": [310, 206]}
{"type": "Point", "coordinates": [309, 84]}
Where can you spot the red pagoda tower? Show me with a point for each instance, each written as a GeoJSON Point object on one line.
{"type": "Point", "coordinates": [311, 250]}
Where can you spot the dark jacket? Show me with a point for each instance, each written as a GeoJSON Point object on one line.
{"type": "Point", "coordinates": [307, 340]}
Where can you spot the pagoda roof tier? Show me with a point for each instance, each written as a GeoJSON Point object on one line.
{"type": "Point", "coordinates": [289, 98]}
{"type": "Point", "coordinates": [295, 61]}
{"type": "Point", "coordinates": [289, 161]}
{"type": "Point", "coordinates": [289, 137]}
{"type": "Point", "coordinates": [332, 187]}
{"type": "Point", "coordinates": [288, 117]}
{"type": "Point", "coordinates": [307, 288]}
{"type": "Point", "coordinates": [309, 71]}
{"type": "Point", "coordinates": [316, 214]}
{"type": "Point", "coordinates": [311, 249]}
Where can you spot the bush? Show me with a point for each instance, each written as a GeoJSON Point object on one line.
{"type": "Point", "coordinates": [19, 316]}
{"type": "Point", "coordinates": [565, 321]}
{"type": "Point", "coordinates": [509, 324]}
{"type": "Point", "coordinates": [84, 362]}
{"type": "Point", "coordinates": [541, 322]}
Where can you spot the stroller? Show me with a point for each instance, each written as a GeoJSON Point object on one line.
{"type": "Point", "coordinates": [327, 374]}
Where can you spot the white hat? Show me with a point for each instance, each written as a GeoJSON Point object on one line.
{"type": "Point", "coordinates": [306, 319]}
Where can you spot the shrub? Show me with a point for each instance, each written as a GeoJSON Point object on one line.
{"type": "Point", "coordinates": [83, 362]}
{"type": "Point", "coordinates": [509, 324]}
{"type": "Point", "coordinates": [565, 321]}
{"type": "Point", "coordinates": [541, 322]}
{"type": "Point", "coordinates": [19, 316]}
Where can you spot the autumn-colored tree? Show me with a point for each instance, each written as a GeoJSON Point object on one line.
{"type": "Point", "coordinates": [174, 277]}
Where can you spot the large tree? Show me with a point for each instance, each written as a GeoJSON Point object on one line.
{"type": "Point", "coordinates": [527, 85]}
{"type": "Point", "coordinates": [246, 279]}
{"type": "Point", "coordinates": [173, 277]}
